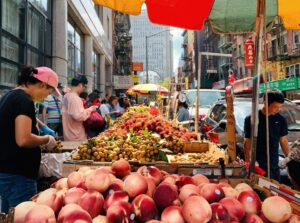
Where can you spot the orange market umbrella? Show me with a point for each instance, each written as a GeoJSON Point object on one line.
{"type": "Point", "coordinates": [225, 16]}
{"type": "Point", "coordinates": [146, 89]}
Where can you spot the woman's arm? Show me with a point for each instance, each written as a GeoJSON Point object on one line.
{"type": "Point", "coordinates": [23, 135]}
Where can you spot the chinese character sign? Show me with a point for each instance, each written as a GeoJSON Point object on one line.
{"type": "Point", "coordinates": [249, 53]}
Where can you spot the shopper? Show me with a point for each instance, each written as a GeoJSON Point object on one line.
{"type": "Point", "coordinates": [20, 154]}
{"type": "Point", "coordinates": [52, 113]}
{"type": "Point", "coordinates": [94, 100]}
{"type": "Point", "coordinates": [112, 103]}
{"type": "Point", "coordinates": [277, 134]}
{"type": "Point", "coordinates": [183, 112]}
{"type": "Point", "coordinates": [73, 111]}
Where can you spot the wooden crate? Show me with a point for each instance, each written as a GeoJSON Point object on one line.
{"type": "Point", "coordinates": [212, 171]}
{"type": "Point", "coordinates": [272, 187]}
{"type": "Point", "coordinates": [70, 166]}
{"type": "Point", "coordinates": [195, 147]}
{"type": "Point", "coordinates": [68, 146]}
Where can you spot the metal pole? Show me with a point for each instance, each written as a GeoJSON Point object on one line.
{"type": "Point", "coordinates": [255, 98]}
{"type": "Point", "coordinates": [198, 92]}
{"type": "Point", "coordinates": [147, 74]}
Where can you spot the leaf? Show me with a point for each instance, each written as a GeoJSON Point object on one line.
{"type": "Point", "coordinates": [135, 139]}
{"type": "Point", "coordinates": [131, 130]}
{"type": "Point", "coordinates": [162, 156]}
{"type": "Point", "coordinates": [146, 133]}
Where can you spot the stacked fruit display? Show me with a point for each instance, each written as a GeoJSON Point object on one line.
{"type": "Point", "coordinates": [210, 157]}
{"type": "Point", "coordinates": [115, 194]}
{"type": "Point", "coordinates": [144, 148]}
{"type": "Point", "coordinates": [140, 122]}
{"type": "Point", "coordinates": [134, 110]}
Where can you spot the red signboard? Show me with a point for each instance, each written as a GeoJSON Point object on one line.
{"type": "Point", "coordinates": [249, 53]}
{"type": "Point", "coordinates": [137, 66]}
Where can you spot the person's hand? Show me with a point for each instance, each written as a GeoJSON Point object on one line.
{"type": "Point", "coordinates": [45, 130]}
{"type": "Point", "coordinates": [93, 108]}
{"type": "Point", "coordinates": [51, 143]}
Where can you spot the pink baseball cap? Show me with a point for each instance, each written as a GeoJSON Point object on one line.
{"type": "Point", "coordinates": [48, 76]}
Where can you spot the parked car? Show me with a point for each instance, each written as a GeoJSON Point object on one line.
{"type": "Point", "coordinates": [216, 120]}
{"type": "Point", "coordinates": [296, 101]}
{"type": "Point", "coordinates": [207, 97]}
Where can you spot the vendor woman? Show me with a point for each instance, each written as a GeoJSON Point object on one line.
{"type": "Point", "coordinates": [20, 153]}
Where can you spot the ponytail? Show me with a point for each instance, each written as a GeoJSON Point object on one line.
{"type": "Point", "coordinates": [26, 76]}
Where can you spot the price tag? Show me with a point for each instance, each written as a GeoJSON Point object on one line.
{"type": "Point", "coordinates": [206, 172]}
{"type": "Point", "coordinates": [228, 172]}
{"type": "Point", "coordinates": [217, 172]}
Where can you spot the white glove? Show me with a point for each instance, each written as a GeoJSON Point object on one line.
{"type": "Point", "coordinates": [51, 143]}
{"type": "Point", "coordinates": [282, 163]}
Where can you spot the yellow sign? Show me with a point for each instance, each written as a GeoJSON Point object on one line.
{"type": "Point", "coordinates": [134, 78]}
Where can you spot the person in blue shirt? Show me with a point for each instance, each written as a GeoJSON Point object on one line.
{"type": "Point", "coordinates": [183, 112]}
{"type": "Point", "coordinates": [111, 105]}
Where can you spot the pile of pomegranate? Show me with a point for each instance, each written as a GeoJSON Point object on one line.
{"type": "Point", "coordinates": [117, 195]}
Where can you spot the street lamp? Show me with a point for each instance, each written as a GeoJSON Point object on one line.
{"type": "Point", "coordinates": [147, 37]}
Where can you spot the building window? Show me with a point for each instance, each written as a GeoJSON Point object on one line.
{"type": "Point", "coordinates": [99, 11]}
{"type": "Point", "coordinates": [16, 26]}
{"type": "Point", "coordinates": [43, 5]}
{"type": "Point", "coordinates": [297, 71]}
{"type": "Point", "coordinates": [75, 51]}
{"type": "Point", "coordinates": [96, 69]}
{"type": "Point", "coordinates": [9, 49]}
{"type": "Point", "coordinates": [13, 17]}
{"type": "Point", "coordinates": [293, 71]}
{"type": "Point", "coordinates": [296, 40]}
{"type": "Point", "coordinates": [9, 74]}
{"type": "Point", "coordinates": [108, 28]}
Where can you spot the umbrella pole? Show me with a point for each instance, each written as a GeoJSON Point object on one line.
{"type": "Point", "coordinates": [260, 23]}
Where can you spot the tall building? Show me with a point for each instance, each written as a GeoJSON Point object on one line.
{"type": "Point", "coordinates": [160, 46]}
{"type": "Point", "coordinates": [71, 36]}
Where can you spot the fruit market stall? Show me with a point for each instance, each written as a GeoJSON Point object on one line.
{"type": "Point", "coordinates": [117, 194]}
{"type": "Point", "coordinates": [144, 139]}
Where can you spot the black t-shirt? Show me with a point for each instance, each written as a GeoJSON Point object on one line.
{"type": "Point", "coordinates": [13, 159]}
{"type": "Point", "coordinates": [277, 129]}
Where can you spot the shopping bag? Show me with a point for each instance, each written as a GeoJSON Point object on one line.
{"type": "Point", "coordinates": [95, 120]}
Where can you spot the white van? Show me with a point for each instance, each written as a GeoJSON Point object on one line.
{"type": "Point", "coordinates": [207, 97]}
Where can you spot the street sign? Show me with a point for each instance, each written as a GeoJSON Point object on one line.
{"type": "Point", "coordinates": [134, 78]}
{"type": "Point", "coordinates": [137, 66]}
{"type": "Point", "coordinates": [249, 53]}
{"type": "Point", "coordinates": [282, 85]}
{"type": "Point", "coordinates": [122, 82]}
